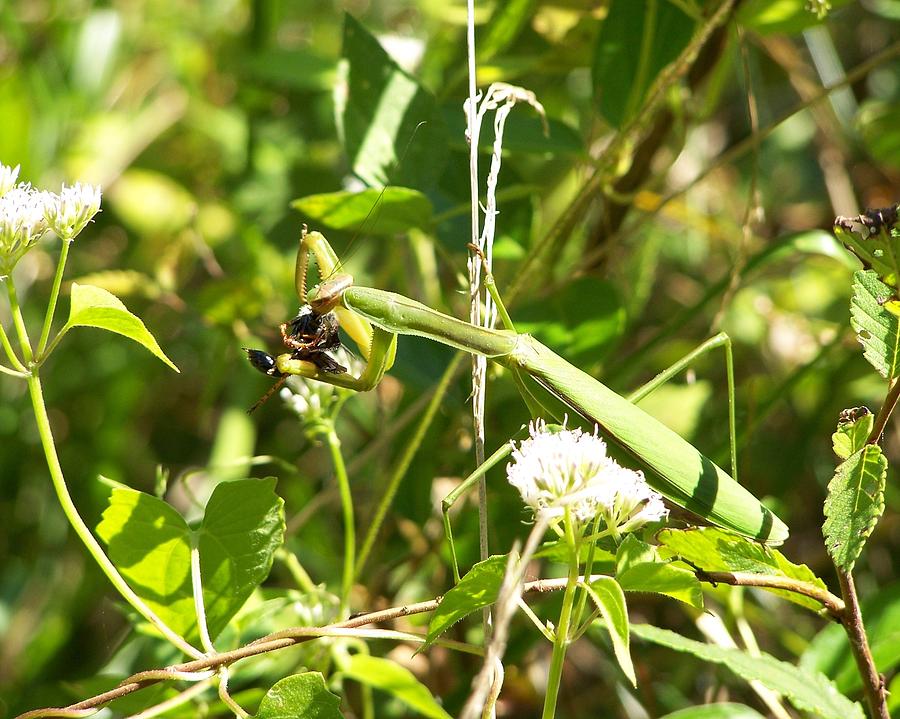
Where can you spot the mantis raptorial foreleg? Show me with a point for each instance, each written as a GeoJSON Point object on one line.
{"type": "Point", "coordinates": [314, 331]}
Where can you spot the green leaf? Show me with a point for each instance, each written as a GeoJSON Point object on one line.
{"type": "Point", "coordinates": [300, 695]}
{"type": "Point", "coordinates": [717, 550]}
{"type": "Point", "coordinates": [610, 600]}
{"type": "Point", "coordinates": [855, 503]}
{"type": "Point", "coordinates": [807, 691]}
{"type": "Point", "coordinates": [150, 544]}
{"type": "Point", "coordinates": [639, 568]}
{"type": "Point", "coordinates": [388, 676]}
{"type": "Point", "coordinates": [852, 431]}
{"type": "Point", "coordinates": [391, 128]}
{"type": "Point", "coordinates": [581, 322]}
{"type": "Point", "coordinates": [477, 589]}
{"type": "Point", "coordinates": [379, 212]}
{"type": "Point", "coordinates": [876, 326]}
{"type": "Point", "coordinates": [635, 42]}
{"type": "Point", "coordinates": [724, 710]}
{"type": "Point", "coordinates": [95, 307]}
{"type": "Point", "coordinates": [242, 527]}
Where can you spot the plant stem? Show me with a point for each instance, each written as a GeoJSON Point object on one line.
{"type": "Point", "coordinates": [10, 352]}
{"type": "Point", "coordinates": [873, 682]}
{"type": "Point", "coordinates": [884, 414]}
{"type": "Point", "coordinates": [561, 643]}
{"type": "Point", "coordinates": [343, 482]}
{"type": "Point", "coordinates": [296, 570]}
{"type": "Point", "coordinates": [54, 296]}
{"type": "Point", "coordinates": [81, 529]}
{"type": "Point", "coordinates": [833, 605]}
{"type": "Point", "coordinates": [18, 322]}
{"type": "Point", "coordinates": [12, 372]}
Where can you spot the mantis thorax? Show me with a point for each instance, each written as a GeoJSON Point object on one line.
{"type": "Point", "coordinates": [326, 295]}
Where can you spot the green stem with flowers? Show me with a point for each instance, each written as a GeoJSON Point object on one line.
{"type": "Point", "coordinates": [54, 295]}
{"type": "Point", "coordinates": [561, 640]}
{"type": "Point", "coordinates": [57, 478]}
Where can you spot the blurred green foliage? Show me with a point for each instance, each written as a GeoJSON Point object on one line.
{"type": "Point", "coordinates": [203, 121]}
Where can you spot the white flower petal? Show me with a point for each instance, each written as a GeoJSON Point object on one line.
{"type": "Point", "coordinates": [571, 469]}
{"type": "Point", "coordinates": [73, 209]}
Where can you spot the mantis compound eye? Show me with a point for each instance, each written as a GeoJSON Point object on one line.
{"type": "Point", "coordinates": [263, 361]}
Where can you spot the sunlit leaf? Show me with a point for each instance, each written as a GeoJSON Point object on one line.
{"type": "Point", "coordinates": [609, 598]}
{"type": "Point", "coordinates": [391, 128]}
{"type": "Point", "coordinates": [301, 695]}
{"type": "Point", "coordinates": [388, 212]}
{"type": "Point", "coordinates": [390, 677]}
{"type": "Point", "coordinates": [150, 544]}
{"type": "Point", "coordinates": [716, 550]}
{"type": "Point", "coordinates": [876, 326]}
{"type": "Point", "coordinates": [477, 589]}
{"type": "Point", "coordinates": [242, 527]}
{"type": "Point", "coordinates": [807, 691]}
{"type": "Point", "coordinates": [854, 505]}
{"type": "Point", "coordinates": [639, 568]}
{"type": "Point", "coordinates": [852, 432]}
{"type": "Point", "coordinates": [95, 307]}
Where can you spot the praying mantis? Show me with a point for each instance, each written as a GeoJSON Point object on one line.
{"type": "Point", "coordinates": [550, 386]}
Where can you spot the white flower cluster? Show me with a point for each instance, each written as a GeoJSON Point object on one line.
{"type": "Point", "coordinates": [555, 470]}
{"type": "Point", "coordinates": [26, 214]}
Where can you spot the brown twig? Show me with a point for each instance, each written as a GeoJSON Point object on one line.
{"type": "Point", "coordinates": [831, 603]}
{"type": "Point", "coordinates": [873, 682]}
{"type": "Point", "coordinates": [884, 414]}
{"type": "Point", "coordinates": [270, 643]}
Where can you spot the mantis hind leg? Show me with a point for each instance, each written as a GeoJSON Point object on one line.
{"type": "Point", "coordinates": [447, 502]}
{"type": "Point", "coordinates": [719, 340]}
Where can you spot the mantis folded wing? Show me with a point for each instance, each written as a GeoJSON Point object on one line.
{"type": "Point", "coordinates": [675, 468]}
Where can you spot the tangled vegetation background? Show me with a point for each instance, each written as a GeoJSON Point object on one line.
{"type": "Point", "coordinates": [204, 121]}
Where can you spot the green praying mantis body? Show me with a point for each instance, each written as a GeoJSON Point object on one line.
{"type": "Point", "coordinates": [373, 318]}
